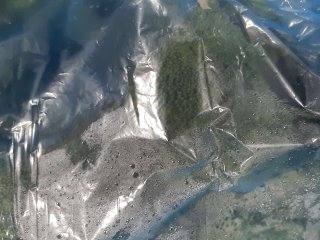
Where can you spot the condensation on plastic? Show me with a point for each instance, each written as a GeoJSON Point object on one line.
{"type": "Point", "coordinates": [91, 150]}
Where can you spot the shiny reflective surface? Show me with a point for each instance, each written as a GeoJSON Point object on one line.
{"type": "Point", "coordinates": [159, 119]}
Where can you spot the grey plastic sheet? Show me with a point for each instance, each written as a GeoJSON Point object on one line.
{"type": "Point", "coordinates": [159, 119]}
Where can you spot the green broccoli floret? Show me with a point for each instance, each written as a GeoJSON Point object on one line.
{"type": "Point", "coordinates": [178, 86]}
{"type": "Point", "coordinates": [240, 72]}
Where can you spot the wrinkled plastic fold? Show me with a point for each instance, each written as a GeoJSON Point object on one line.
{"type": "Point", "coordinates": [159, 119]}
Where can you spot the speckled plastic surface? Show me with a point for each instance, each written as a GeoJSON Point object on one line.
{"type": "Point", "coordinates": [159, 119]}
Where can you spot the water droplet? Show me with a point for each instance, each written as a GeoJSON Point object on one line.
{"type": "Point", "coordinates": [135, 174]}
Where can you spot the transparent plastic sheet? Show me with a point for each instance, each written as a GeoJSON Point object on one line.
{"type": "Point", "coordinates": [159, 119]}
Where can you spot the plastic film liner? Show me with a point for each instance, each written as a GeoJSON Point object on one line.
{"type": "Point", "coordinates": [159, 119]}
